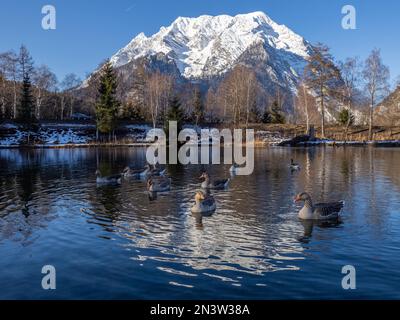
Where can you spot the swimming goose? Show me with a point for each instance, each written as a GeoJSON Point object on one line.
{"type": "Point", "coordinates": [203, 203]}
{"type": "Point", "coordinates": [135, 173]}
{"type": "Point", "coordinates": [293, 165]}
{"type": "Point", "coordinates": [158, 184]}
{"type": "Point", "coordinates": [114, 179]}
{"type": "Point", "coordinates": [318, 211]}
{"type": "Point", "coordinates": [217, 184]}
{"type": "Point", "coordinates": [233, 168]}
{"type": "Point", "coordinates": [157, 171]}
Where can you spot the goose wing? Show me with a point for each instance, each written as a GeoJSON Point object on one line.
{"type": "Point", "coordinates": [209, 201]}
{"type": "Point", "coordinates": [328, 209]}
{"type": "Point", "coordinates": [162, 181]}
{"type": "Point", "coordinates": [220, 182]}
{"type": "Point", "coordinates": [136, 171]}
{"type": "Point", "coordinates": [114, 177]}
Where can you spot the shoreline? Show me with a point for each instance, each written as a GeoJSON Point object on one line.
{"type": "Point", "coordinates": [69, 135]}
{"type": "Point", "coordinates": [257, 144]}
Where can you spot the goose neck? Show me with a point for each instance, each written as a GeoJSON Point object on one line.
{"type": "Point", "coordinates": [308, 203]}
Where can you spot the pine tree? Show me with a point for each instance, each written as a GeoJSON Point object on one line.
{"type": "Point", "coordinates": [107, 105]}
{"type": "Point", "coordinates": [198, 107]}
{"type": "Point", "coordinates": [322, 75]}
{"type": "Point", "coordinates": [266, 117]}
{"type": "Point", "coordinates": [26, 105]}
{"type": "Point", "coordinates": [255, 115]}
{"type": "Point", "coordinates": [132, 111]}
{"type": "Point", "coordinates": [175, 113]}
{"type": "Point", "coordinates": [346, 117]}
{"type": "Point", "coordinates": [276, 114]}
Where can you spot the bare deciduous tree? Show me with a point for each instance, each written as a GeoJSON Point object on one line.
{"type": "Point", "coordinates": [44, 81]}
{"type": "Point", "coordinates": [376, 77]}
{"type": "Point", "coordinates": [158, 89]}
{"type": "Point", "coordinates": [69, 83]}
{"type": "Point", "coordinates": [350, 73]}
{"type": "Point", "coordinates": [303, 98]}
{"type": "Point", "coordinates": [9, 66]}
{"type": "Point", "coordinates": [238, 94]}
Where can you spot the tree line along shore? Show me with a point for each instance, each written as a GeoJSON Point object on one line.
{"type": "Point", "coordinates": [31, 96]}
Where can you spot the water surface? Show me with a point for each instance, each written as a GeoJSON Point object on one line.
{"type": "Point", "coordinates": [114, 242]}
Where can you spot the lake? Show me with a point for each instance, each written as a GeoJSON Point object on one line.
{"type": "Point", "coordinates": [114, 242]}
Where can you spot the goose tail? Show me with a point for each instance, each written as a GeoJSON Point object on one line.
{"type": "Point", "coordinates": [227, 182]}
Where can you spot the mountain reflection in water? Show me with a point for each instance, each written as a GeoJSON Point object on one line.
{"type": "Point", "coordinates": [117, 242]}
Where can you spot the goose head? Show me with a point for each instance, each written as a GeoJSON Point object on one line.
{"type": "Point", "coordinates": [199, 196]}
{"type": "Point", "coordinates": [98, 173]}
{"type": "Point", "coordinates": [204, 175]}
{"type": "Point", "coordinates": [127, 169]}
{"type": "Point", "coordinates": [304, 196]}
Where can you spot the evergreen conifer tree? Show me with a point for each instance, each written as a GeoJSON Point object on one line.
{"type": "Point", "coordinates": [26, 106]}
{"type": "Point", "coordinates": [198, 107]}
{"type": "Point", "coordinates": [346, 117]}
{"type": "Point", "coordinates": [276, 114]}
{"type": "Point", "coordinates": [175, 113]}
{"type": "Point", "coordinates": [107, 104]}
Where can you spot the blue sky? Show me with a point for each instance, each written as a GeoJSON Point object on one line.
{"type": "Point", "coordinates": [90, 31]}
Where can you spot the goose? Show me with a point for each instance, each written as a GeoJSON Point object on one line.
{"type": "Point", "coordinates": [203, 203]}
{"type": "Point", "coordinates": [233, 168]}
{"type": "Point", "coordinates": [114, 179]}
{"type": "Point", "coordinates": [217, 184]}
{"type": "Point", "coordinates": [318, 211]}
{"type": "Point", "coordinates": [157, 171]}
{"type": "Point", "coordinates": [158, 184]}
{"type": "Point", "coordinates": [294, 165]}
{"type": "Point", "coordinates": [136, 173]}
{"type": "Point", "coordinates": [128, 172]}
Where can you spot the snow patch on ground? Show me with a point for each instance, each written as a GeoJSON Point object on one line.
{"type": "Point", "coordinates": [45, 137]}
{"type": "Point", "coordinates": [8, 126]}
{"type": "Point", "coordinates": [269, 137]}
{"type": "Point", "coordinates": [64, 137]}
{"type": "Point", "coordinates": [68, 125]}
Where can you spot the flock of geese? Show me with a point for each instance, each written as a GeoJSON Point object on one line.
{"type": "Point", "coordinates": [157, 181]}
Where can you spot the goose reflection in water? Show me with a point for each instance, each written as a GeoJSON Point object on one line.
{"type": "Point", "coordinates": [308, 226]}
{"type": "Point", "coordinates": [199, 219]}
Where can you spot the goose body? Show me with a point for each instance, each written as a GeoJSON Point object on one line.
{"type": "Point", "coordinates": [203, 203]}
{"type": "Point", "coordinates": [145, 171]}
{"type": "Point", "coordinates": [158, 172]}
{"type": "Point", "coordinates": [114, 179]}
{"type": "Point", "coordinates": [233, 168]}
{"type": "Point", "coordinates": [135, 173]}
{"type": "Point", "coordinates": [158, 184]}
{"type": "Point", "coordinates": [318, 211]}
{"type": "Point", "coordinates": [294, 165]}
{"type": "Point", "coordinates": [216, 184]}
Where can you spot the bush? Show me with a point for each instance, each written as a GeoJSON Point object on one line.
{"type": "Point", "coordinates": [276, 114]}
{"type": "Point", "coordinates": [344, 116]}
{"type": "Point", "coordinates": [266, 117]}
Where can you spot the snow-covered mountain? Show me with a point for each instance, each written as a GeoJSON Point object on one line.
{"type": "Point", "coordinates": [209, 46]}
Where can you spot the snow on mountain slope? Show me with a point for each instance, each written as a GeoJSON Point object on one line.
{"type": "Point", "coordinates": [211, 45]}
